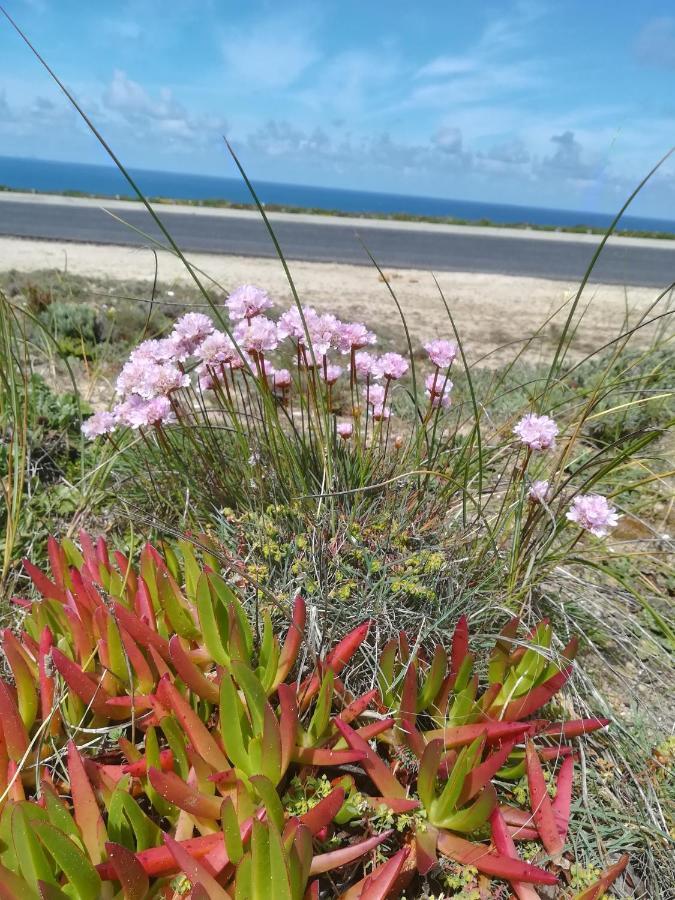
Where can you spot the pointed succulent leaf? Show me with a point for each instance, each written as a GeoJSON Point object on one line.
{"type": "Point", "coordinates": [503, 842]}
{"type": "Point", "coordinates": [128, 871]}
{"type": "Point", "coordinates": [488, 862]}
{"type": "Point", "coordinates": [606, 880]}
{"type": "Point", "coordinates": [194, 870]}
{"type": "Point", "coordinates": [85, 807]}
{"type": "Point", "coordinates": [376, 769]}
{"type": "Point", "coordinates": [79, 871]}
{"type": "Point", "coordinates": [194, 728]}
{"type": "Point", "coordinates": [542, 809]}
{"type": "Point", "coordinates": [325, 862]}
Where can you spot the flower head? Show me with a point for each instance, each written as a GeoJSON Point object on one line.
{"type": "Point", "coordinates": [137, 412]}
{"type": "Point", "coordinates": [438, 389]}
{"type": "Point", "coordinates": [163, 350]}
{"type": "Point", "coordinates": [246, 302]}
{"type": "Point", "coordinates": [281, 378]}
{"type": "Point", "coordinates": [290, 323]}
{"type": "Point", "coordinates": [594, 513]}
{"type": "Point", "coordinates": [538, 491]}
{"type": "Point", "coordinates": [391, 366]}
{"type": "Point", "coordinates": [537, 432]}
{"type": "Point", "coordinates": [189, 332]}
{"type": "Point", "coordinates": [380, 411]}
{"type": "Point", "coordinates": [365, 364]}
{"type": "Point", "coordinates": [345, 430]}
{"type": "Point", "coordinates": [98, 424]}
{"type": "Point", "coordinates": [442, 353]}
{"type": "Point", "coordinates": [331, 373]}
{"type": "Point", "coordinates": [258, 336]}
{"type": "Point", "coordinates": [324, 333]}
{"type": "Point", "coordinates": [374, 394]}
{"type": "Point", "coordinates": [218, 350]}
{"type": "Point", "coordinates": [354, 336]}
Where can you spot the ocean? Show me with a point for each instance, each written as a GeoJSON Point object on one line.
{"type": "Point", "coordinates": [50, 176]}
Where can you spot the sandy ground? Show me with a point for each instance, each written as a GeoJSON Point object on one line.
{"type": "Point", "coordinates": [490, 310]}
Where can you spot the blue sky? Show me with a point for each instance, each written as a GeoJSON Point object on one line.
{"type": "Point", "coordinates": [518, 101]}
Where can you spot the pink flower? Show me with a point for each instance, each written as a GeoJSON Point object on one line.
{"type": "Point", "coordinates": [345, 430]}
{"type": "Point", "coordinates": [161, 380]}
{"type": "Point", "coordinates": [364, 364]}
{"type": "Point", "coordinates": [282, 379]}
{"type": "Point", "coordinates": [391, 366]}
{"type": "Point", "coordinates": [98, 424]}
{"type": "Point", "coordinates": [537, 432]}
{"type": "Point", "coordinates": [163, 350]}
{"type": "Point", "coordinates": [257, 337]}
{"type": "Point", "coordinates": [189, 332]}
{"type": "Point", "coordinates": [290, 323]}
{"type": "Point", "coordinates": [594, 513]}
{"type": "Point", "coordinates": [441, 353]}
{"type": "Point", "coordinates": [331, 373]}
{"type": "Point", "coordinates": [148, 379]}
{"type": "Point", "coordinates": [324, 333]}
{"type": "Point", "coordinates": [538, 491]}
{"type": "Point", "coordinates": [381, 412]}
{"type": "Point", "coordinates": [438, 388]}
{"type": "Point", "coordinates": [217, 349]}
{"type": "Point", "coordinates": [246, 302]}
{"type": "Point", "coordinates": [374, 394]}
{"type": "Point", "coordinates": [354, 336]}
{"type": "Point", "coordinates": [137, 413]}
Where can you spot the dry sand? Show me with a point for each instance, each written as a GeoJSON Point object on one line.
{"type": "Point", "coordinates": [490, 310]}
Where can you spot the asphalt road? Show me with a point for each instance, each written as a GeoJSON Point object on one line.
{"type": "Point", "coordinates": [468, 251]}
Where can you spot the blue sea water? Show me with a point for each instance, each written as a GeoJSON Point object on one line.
{"type": "Point", "coordinates": [44, 175]}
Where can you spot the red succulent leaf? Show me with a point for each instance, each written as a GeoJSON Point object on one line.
{"type": "Point", "coordinates": [198, 734]}
{"type": "Point", "coordinates": [288, 723]}
{"type": "Point", "coordinates": [379, 884]}
{"type": "Point", "coordinates": [85, 807]}
{"type": "Point", "coordinates": [325, 862]}
{"type": "Point", "coordinates": [196, 872]}
{"type": "Point", "coordinates": [128, 871]}
{"type": "Point", "coordinates": [317, 756]}
{"type": "Point", "coordinates": [324, 812]}
{"type": "Point", "coordinates": [354, 709]}
{"type": "Point", "coordinates": [524, 706]}
{"type": "Point", "coordinates": [572, 729]}
{"type": "Point", "coordinates": [336, 660]}
{"type": "Point", "coordinates": [563, 799]}
{"type": "Point", "coordinates": [606, 880]}
{"type": "Point", "coordinates": [91, 692]}
{"type": "Point", "coordinates": [542, 809]}
{"type": "Point", "coordinates": [140, 632]}
{"type": "Point", "coordinates": [172, 788]}
{"type": "Point", "coordinates": [43, 585]}
{"type": "Point", "coordinates": [426, 841]}
{"type": "Point", "coordinates": [376, 769]}
{"type": "Point", "coordinates": [291, 648]}
{"type": "Point", "coordinates": [193, 677]}
{"type": "Point", "coordinates": [160, 861]}
{"type": "Point", "coordinates": [478, 777]}
{"type": "Point", "coordinates": [461, 735]}
{"type": "Point", "coordinates": [460, 645]}
{"type": "Point", "coordinates": [16, 736]}
{"type": "Point", "coordinates": [489, 862]}
{"type": "Point", "coordinates": [138, 768]}
{"type": "Point", "coordinates": [504, 844]}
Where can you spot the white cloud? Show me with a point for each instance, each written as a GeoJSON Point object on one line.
{"type": "Point", "coordinates": [655, 44]}
{"type": "Point", "coordinates": [271, 55]}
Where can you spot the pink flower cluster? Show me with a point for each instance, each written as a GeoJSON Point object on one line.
{"type": "Point", "coordinates": [537, 432]}
{"type": "Point", "coordinates": [593, 513]}
{"type": "Point", "coordinates": [157, 369]}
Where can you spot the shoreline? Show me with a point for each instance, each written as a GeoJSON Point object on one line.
{"type": "Point", "coordinates": [280, 212]}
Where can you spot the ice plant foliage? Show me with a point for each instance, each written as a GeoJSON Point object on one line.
{"type": "Point", "coordinates": [215, 729]}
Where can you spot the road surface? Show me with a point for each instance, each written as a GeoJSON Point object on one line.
{"type": "Point", "coordinates": [648, 263]}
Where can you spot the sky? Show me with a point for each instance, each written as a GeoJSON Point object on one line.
{"type": "Point", "coordinates": [533, 102]}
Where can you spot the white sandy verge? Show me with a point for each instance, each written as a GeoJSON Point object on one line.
{"type": "Point", "coordinates": [490, 311]}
